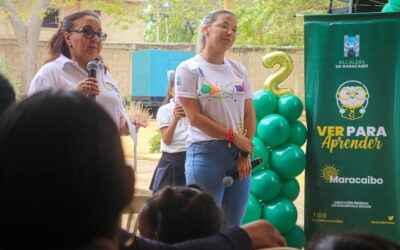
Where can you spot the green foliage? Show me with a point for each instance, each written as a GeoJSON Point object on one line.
{"type": "Point", "coordinates": [123, 14]}
{"type": "Point", "coordinates": [7, 71]}
{"type": "Point", "coordinates": [177, 21]}
{"type": "Point", "coordinates": [274, 22]}
{"type": "Point", "coordinates": [155, 142]}
{"type": "Point", "coordinates": [260, 22]}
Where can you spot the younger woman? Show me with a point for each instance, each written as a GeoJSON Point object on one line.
{"type": "Point", "coordinates": [216, 94]}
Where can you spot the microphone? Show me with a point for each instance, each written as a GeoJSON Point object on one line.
{"type": "Point", "coordinates": [228, 180]}
{"type": "Point", "coordinates": [92, 70]}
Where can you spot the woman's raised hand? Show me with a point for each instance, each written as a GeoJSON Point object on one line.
{"type": "Point", "coordinates": [88, 86]}
{"type": "Point", "coordinates": [178, 112]}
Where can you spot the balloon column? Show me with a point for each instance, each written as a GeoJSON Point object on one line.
{"type": "Point", "coordinates": [278, 140]}
{"type": "Point", "coordinates": [392, 6]}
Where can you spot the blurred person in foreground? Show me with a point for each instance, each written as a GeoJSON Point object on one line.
{"type": "Point", "coordinates": [176, 214]}
{"type": "Point", "coordinates": [7, 94]}
{"type": "Point", "coordinates": [352, 241]}
{"type": "Point", "coordinates": [67, 190]}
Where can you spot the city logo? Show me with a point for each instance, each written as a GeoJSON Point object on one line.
{"type": "Point", "coordinates": [329, 171]}
{"type": "Point", "coordinates": [351, 46]}
{"type": "Point", "coordinates": [330, 174]}
{"type": "Point", "coordinates": [352, 99]}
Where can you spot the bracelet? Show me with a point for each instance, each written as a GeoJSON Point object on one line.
{"type": "Point", "coordinates": [230, 135]}
{"type": "Point", "coordinates": [243, 154]}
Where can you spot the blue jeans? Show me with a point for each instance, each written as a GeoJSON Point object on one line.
{"type": "Point", "coordinates": [207, 163]}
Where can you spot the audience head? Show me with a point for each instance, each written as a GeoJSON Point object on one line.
{"type": "Point", "coordinates": [210, 19]}
{"type": "Point", "coordinates": [353, 241]}
{"type": "Point", "coordinates": [63, 177]}
{"type": "Point", "coordinates": [79, 37]}
{"type": "Point", "coordinates": [175, 214]}
{"type": "Point", "coordinates": [7, 94]}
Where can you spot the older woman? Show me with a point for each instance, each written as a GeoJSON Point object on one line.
{"type": "Point", "coordinates": [215, 93]}
{"type": "Point", "coordinates": [78, 41]}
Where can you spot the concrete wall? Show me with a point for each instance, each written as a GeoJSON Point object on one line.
{"type": "Point", "coordinates": [134, 32]}
{"type": "Point", "coordinates": [118, 57]}
{"type": "Point", "coordinates": [251, 58]}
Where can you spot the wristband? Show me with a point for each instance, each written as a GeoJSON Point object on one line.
{"type": "Point", "coordinates": [230, 135]}
{"type": "Point", "coordinates": [243, 154]}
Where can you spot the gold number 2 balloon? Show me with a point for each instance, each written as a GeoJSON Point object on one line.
{"type": "Point", "coordinates": [285, 68]}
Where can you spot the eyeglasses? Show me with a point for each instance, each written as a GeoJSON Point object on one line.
{"type": "Point", "coordinates": [226, 27]}
{"type": "Point", "coordinates": [359, 94]}
{"type": "Point", "coordinates": [89, 33]}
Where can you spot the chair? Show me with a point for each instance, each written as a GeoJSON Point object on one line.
{"type": "Point", "coordinates": [139, 199]}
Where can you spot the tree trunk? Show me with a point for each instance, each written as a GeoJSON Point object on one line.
{"type": "Point", "coordinates": [27, 38]}
{"type": "Point", "coordinates": [28, 65]}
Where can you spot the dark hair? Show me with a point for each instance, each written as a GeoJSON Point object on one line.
{"type": "Point", "coordinates": [177, 214]}
{"type": "Point", "coordinates": [171, 84]}
{"type": "Point", "coordinates": [63, 178]}
{"type": "Point", "coordinates": [57, 44]}
{"type": "Point", "coordinates": [7, 94]}
{"type": "Point", "coordinates": [352, 241]}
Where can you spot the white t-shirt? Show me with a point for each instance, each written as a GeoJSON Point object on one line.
{"type": "Point", "coordinates": [220, 89]}
{"type": "Point", "coordinates": [65, 74]}
{"type": "Point", "coordinates": [164, 117]}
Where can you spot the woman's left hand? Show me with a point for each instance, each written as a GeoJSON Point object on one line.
{"type": "Point", "coordinates": [124, 129]}
{"type": "Point", "coordinates": [243, 166]}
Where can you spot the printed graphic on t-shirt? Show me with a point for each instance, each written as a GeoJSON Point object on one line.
{"type": "Point", "coordinates": [220, 90]}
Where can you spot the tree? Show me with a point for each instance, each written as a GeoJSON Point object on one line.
{"type": "Point", "coordinates": [26, 18]}
{"type": "Point", "coordinates": [260, 22]}
{"type": "Point", "coordinates": [175, 20]}
{"type": "Point", "coordinates": [274, 22]}
{"type": "Point", "coordinates": [27, 35]}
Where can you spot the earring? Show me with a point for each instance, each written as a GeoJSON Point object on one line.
{"type": "Point", "coordinates": [70, 45]}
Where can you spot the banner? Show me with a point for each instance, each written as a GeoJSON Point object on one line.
{"type": "Point", "coordinates": [352, 85]}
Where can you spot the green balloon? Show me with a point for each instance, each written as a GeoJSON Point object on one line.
{"type": "Point", "coordinates": [394, 3]}
{"type": "Point", "coordinates": [295, 237]}
{"type": "Point", "coordinates": [298, 133]}
{"type": "Point", "coordinates": [290, 107]}
{"type": "Point", "coordinates": [205, 89]}
{"type": "Point", "coordinates": [290, 189]}
{"type": "Point", "coordinates": [264, 102]}
{"type": "Point", "coordinates": [266, 185]}
{"type": "Point", "coordinates": [255, 132]}
{"type": "Point", "coordinates": [388, 8]}
{"type": "Point", "coordinates": [281, 213]}
{"type": "Point", "coordinates": [288, 161]}
{"type": "Point", "coordinates": [260, 150]}
{"type": "Point", "coordinates": [273, 130]}
{"type": "Point", "coordinates": [253, 210]}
